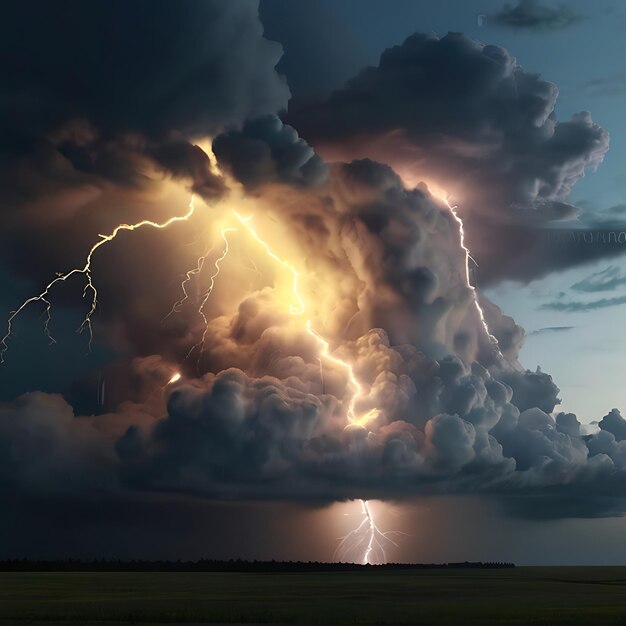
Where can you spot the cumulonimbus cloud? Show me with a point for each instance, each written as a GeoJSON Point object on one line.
{"type": "Point", "coordinates": [383, 272]}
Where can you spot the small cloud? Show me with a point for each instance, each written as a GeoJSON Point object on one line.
{"type": "Point", "coordinates": [549, 329]}
{"type": "Point", "coordinates": [583, 307]}
{"type": "Point", "coordinates": [612, 217]}
{"type": "Point", "coordinates": [606, 280]}
{"type": "Point", "coordinates": [532, 15]}
{"type": "Point", "coordinates": [608, 86]}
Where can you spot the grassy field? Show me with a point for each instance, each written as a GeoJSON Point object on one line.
{"type": "Point", "coordinates": [533, 595]}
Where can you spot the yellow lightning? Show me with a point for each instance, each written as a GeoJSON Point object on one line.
{"type": "Point", "coordinates": [295, 309]}
{"type": "Point", "coordinates": [367, 536]}
{"type": "Point", "coordinates": [176, 308]}
{"type": "Point", "coordinates": [355, 384]}
{"type": "Point", "coordinates": [86, 272]}
{"type": "Point", "coordinates": [175, 378]}
{"type": "Point", "coordinates": [374, 536]}
{"type": "Point", "coordinates": [205, 296]}
{"type": "Point", "coordinates": [298, 308]}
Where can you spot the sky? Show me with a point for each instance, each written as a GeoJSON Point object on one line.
{"type": "Point", "coordinates": [337, 271]}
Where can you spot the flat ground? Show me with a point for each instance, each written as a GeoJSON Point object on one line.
{"type": "Point", "coordinates": [525, 595]}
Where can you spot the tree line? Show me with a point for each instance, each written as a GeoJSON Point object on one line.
{"type": "Point", "coordinates": [231, 565]}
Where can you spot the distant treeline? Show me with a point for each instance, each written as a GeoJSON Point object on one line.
{"type": "Point", "coordinates": [233, 565]}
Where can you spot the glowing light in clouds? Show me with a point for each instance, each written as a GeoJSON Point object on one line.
{"type": "Point", "coordinates": [89, 286]}
{"type": "Point", "coordinates": [366, 543]}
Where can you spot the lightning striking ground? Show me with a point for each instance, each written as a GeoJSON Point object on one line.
{"type": "Point", "coordinates": [367, 538]}
{"type": "Point", "coordinates": [89, 286]}
{"type": "Point", "coordinates": [366, 544]}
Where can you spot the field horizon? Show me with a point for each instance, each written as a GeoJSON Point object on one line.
{"type": "Point", "coordinates": [520, 595]}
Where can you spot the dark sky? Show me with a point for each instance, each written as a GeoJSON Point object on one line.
{"type": "Point", "coordinates": [291, 326]}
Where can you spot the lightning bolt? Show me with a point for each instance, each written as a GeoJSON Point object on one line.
{"type": "Point", "coordinates": [298, 308]}
{"type": "Point", "coordinates": [176, 307]}
{"type": "Point", "coordinates": [367, 537]}
{"type": "Point", "coordinates": [366, 543]}
{"type": "Point", "coordinates": [367, 534]}
{"type": "Point", "coordinates": [354, 383]}
{"type": "Point", "coordinates": [206, 295]}
{"type": "Point", "coordinates": [295, 309]}
{"type": "Point", "coordinates": [89, 286]}
{"type": "Point", "coordinates": [468, 258]}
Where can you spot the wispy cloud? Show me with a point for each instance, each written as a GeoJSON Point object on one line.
{"type": "Point", "coordinates": [549, 329]}
{"type": "Point", "coordinates": [532, 15]}
{"type": "Point", "coordinates": [608, 86]}
{"type": "Point", "coordinates": [605, 280]}
{"type": "Point", "coordinates": [583, 307]}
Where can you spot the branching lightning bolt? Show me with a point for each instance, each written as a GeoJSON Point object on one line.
{"type": "Point", "coordinates": [89, 286]}
{"type": "Point", "coordinates": [354, 383]}
{"type": "Point", "coordinates": [176, 307]}
{"type": "Point", "coordinates": [207, 293]}
{"type": "Point", "coordinates": [298, 308]}
{"type": "Point", "coordinates": [366, 540]}
{"type": "Point", "coordinates": [367, 537]}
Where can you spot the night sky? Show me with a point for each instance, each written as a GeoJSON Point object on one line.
{"type": "Point", "coordinates": [341, 252]}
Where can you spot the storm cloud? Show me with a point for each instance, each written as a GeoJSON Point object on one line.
{"type": "Point", "coordinates": [106, 96]}
{"type": "Point", "coordinates": [465, 116]}
{"type": "Point", "coordinates": [302, 269]}
{"type": "Point", "coordinates": [262, 421]}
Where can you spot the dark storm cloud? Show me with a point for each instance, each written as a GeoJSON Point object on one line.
{"type": "Point", "coordinates": [265, 150]}
{"type": "Point", "coordinates": [466, 116]}
{"type": "Point", "coordinates": [103, 87]}
{"type": "Point", "coordinates": [533, 389]}
{"type": "Point", "coordinates": [607, 279]}
{"type": "Point", "coordinates": [103, 105]}
{"type": "Point", "coordinates": [533, 15]}
{"type": "Point", "coordinates": [233, 436]}
{"type": "Point", "coordinates": [268, 425]}
{"type": "Point", "coordinates": [615, 424]}
{"type": "Point", "coordinates": [145, 66]}
{"type": "Point", "coordinates": [46, 450]}
{"type": "Point", "coordinates": [257, 416]}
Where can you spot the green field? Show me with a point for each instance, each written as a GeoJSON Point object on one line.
{"type": "Point", "coordinates": [525, 595]}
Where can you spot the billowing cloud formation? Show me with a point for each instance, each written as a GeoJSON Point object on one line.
{"type": "Point", "coordinates": [264, 421]}
{"type": "Point", "coordinates": [259, 411]}
{"type": "Point", "coordinates": [465, 116]}
{"type": "Point", "coordinates": [265, 151]}
{"type": "Point", "coordinates": [103, 107]}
